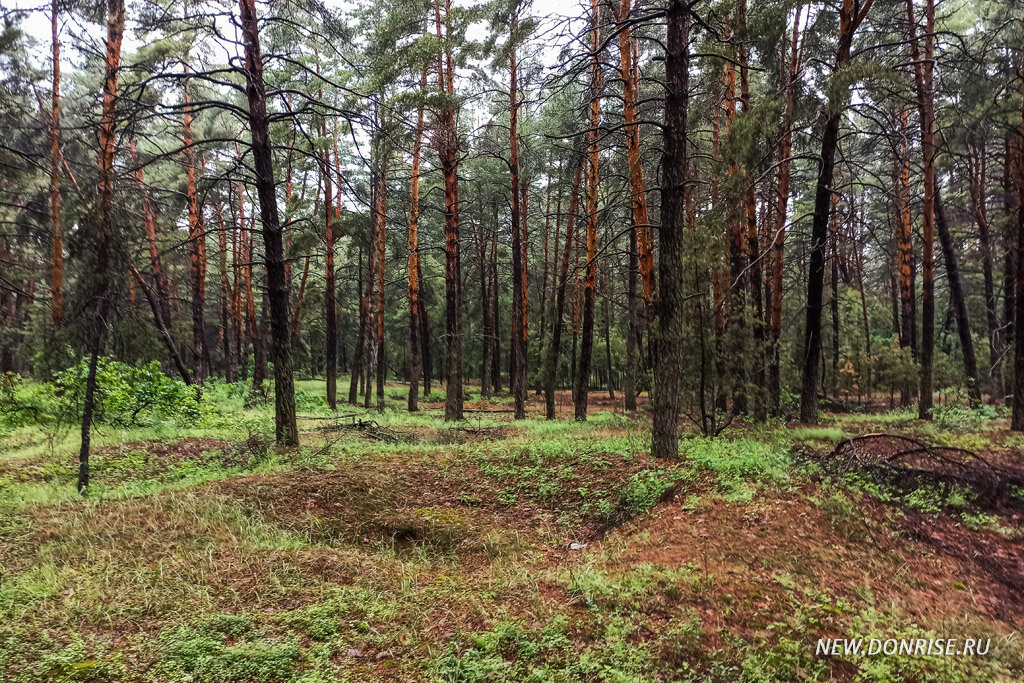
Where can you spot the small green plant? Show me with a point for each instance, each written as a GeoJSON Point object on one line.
{"type": "Point", "coordinates": [201, 652]}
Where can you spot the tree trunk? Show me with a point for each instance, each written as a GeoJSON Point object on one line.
{"type": "Point", "coordinates": [152, 233]}
{"type": "Point", "coordinates": [414, 259]}
{"type": "Point", "coordinates": [1013, 205]}
{"type": "Point", "coordinates": [978, 187]}
{"type": "Point", "coordinates": [958, 303]}
{"type": "Point", "coordinates": [923, 69]}
{"type": "Point", "coordinates": [736, 336]}
{"type": "Point", "coordinates": [104, 228]}
{"type": "Point", "coordinates": [496, 337]}
{"type": "Point", "coordinates": [225, 295]}
{"type": "Point", "coordinates": [557, 324]}
{"type": "Point", "coordinates": [637, 188]}
{"type": "Point", "coordinates": [834, 298]}
{"type": "Point", "coordinates": [286, 429]}
{"type": "Point", "coordinates": [380, 213]}
{"type": "Point", "coordinates": [358, 356]}
{"type": "Point", "coordinates": [518, 343]}
{"type": "Point", "coordinates": [753, 246]}
{"type": "Point", "coordinates": [428, 363]}
{"type": "Point", "coordinates": [370, 348]}
{"type": "Point", "coordinates": [481, 242]}
{"type": "Point", "coordinates": [590, 281]}
{"type": "Point", "coordinates": [165, 334]}
{"type": "Point", "coordinates": [447, 142]}
{"type": "Point", "coordinates": [607, 332]}
{"type": "Point", "coordinates": [905, 249]}
{"type": "Point", "coordinates": [781, 217]}
{"type": "Point", "coordinates": [237, 249]}
{"type": "Point", "coordinates": [544, 299]}
{"type": "Point", "coordinates": [196, 242]}
{"type": "Point", "coordinates": [851, 15]}
{"type": "Point", "coordinates": [1017, 418]}
{"type": "Point", "coordinates": [630, 387]}
{"type": "Point", "coordinates": [330, 292]}
{"type": "Point", "coordinates": [56, 228]}
{"type": "Point", "coordinates": [671, 296]}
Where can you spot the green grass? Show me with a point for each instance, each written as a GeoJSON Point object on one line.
{"type": "Point", "coordinates": [488, 550]}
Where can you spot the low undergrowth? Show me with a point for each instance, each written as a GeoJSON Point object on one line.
{"type": "Point", "coordinates": [490, 550]}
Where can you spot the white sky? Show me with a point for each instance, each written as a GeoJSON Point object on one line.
{"type": "Point", "coordinates": [36, 23]}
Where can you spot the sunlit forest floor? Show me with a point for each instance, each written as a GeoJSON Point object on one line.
{"type": "Point", "coordinates": [401, 547]}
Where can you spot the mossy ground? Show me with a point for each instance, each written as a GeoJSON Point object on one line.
{"type": "Point", "coordinates": [490, 550]}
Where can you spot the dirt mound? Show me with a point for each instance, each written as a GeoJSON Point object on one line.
{"type": "Point", "coordinates": [784, 537]}
{"type": "Point", "coordinates": [403, 507]}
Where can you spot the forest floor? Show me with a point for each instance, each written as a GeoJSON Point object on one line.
{"type": "Point", "coordinates": [401, 547]}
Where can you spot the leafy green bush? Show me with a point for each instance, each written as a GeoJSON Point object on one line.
{"type": "Point", "coordinates": [954, 416]}
{"type": "Point", "coordinates": [126, 395]}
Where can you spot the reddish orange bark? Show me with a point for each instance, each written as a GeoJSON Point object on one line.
{"type": "Point", "coordinates": [637, 188]}
{"type": "Point", "coordinates": [197, 242]}
{"type": "Point", "coordinates": [414, 258]}
{"type": "Point", "coordinates": [152, 239]}
{"type": "Point", "coordinates": [447, 145]}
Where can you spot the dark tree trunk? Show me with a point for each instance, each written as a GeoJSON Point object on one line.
{"type": "Point", "coordinates": [1013, 205]}
{"type": "Point", "coordinates": [330, 292]}
{"type": "Point", "coordinates": [56, 158]}
{"type": "Point", "coordinates": [608, 334]}
{"type": "Point", "coordinates": [557, 323]}
{"type": "Point", "coordinates": [518, 342]}
{"type": "Point", "coordinates": [225, 296]}
{"type": "Point", "coordinates": [359, 352]}
{"type": "Point", "coordinates": [286, 430]}
{"type": "Point", "coordinates": [495, 312]}
{"type": "Point", "coordinates": [923, 80]}
{"type": "Point", "coordinates": [582, 393]}
{"type": "Point", "coordinates": [671, 295]}
{"type": "Point", "coordinates": [1017, 418]}
{"type": "Point", "coordinates": [851, 15]}
{"type": "Point", "coordinates": [959, 305]}
{"type": "Point", "coordinates": [978, 185]}
{"type": "Point", "coordinates": [630, 387]}
{"type": "Point", "coordinates": [165, 334]}
{"type": "Point", "coordinates": [425, 352]}
{"type": "Point", "coordinates": [481, 242]}
{"type": "Point", "coordinates": [104, 229]}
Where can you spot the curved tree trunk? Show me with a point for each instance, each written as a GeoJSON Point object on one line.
{"type": "Point", "coordinates": [851, 15]}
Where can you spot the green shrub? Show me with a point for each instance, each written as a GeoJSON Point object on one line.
{"type": "Point", "coordinates": [201, 652]}
{"type": "Point", "coordinates": [126, 395]}
{"type": "Point", "coordinates": [645, 490]}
